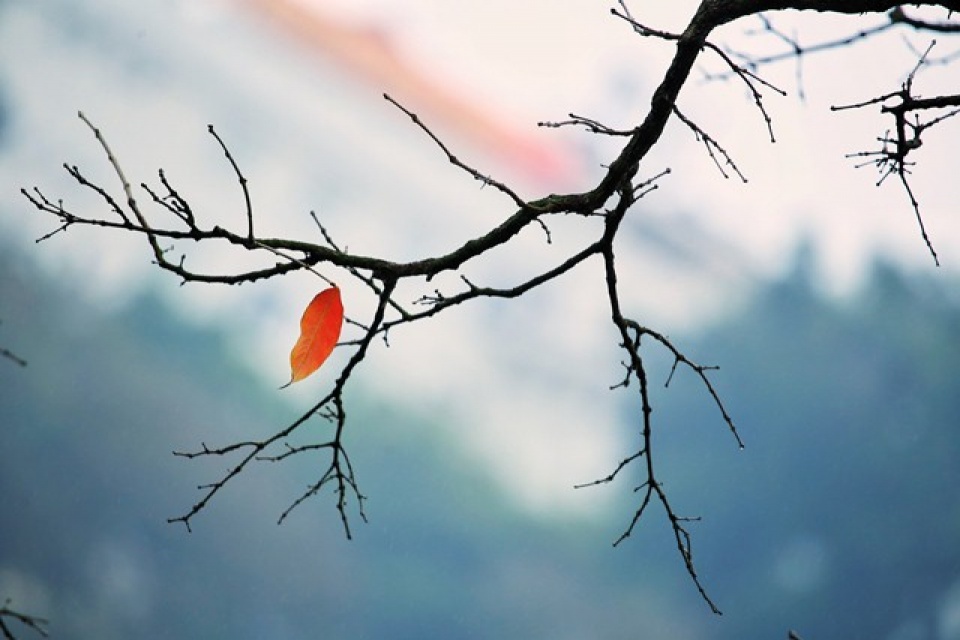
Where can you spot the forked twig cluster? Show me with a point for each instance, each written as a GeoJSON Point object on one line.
{"type": "Point", "coordinates": [892, 158]}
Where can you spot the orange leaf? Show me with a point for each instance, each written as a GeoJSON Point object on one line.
{"type": "Point", "coordinates": [319, 332]}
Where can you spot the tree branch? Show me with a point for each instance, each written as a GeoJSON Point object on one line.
{"type": "Point", "coordinates": [35, 623]}
{"type": "Point", "coordinates": [892, 156]}
{"type": "Point", "coordinates": [601, 208]}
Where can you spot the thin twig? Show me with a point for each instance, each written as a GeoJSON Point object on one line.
{"type": "Point", "coordinates": [240, 177]}
{"type": "Point", "coordinates": [499, 186]}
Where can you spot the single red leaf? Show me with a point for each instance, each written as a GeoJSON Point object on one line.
{"type": "Point", "coordinates": [319, 332]}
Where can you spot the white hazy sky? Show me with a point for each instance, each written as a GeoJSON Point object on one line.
{"type": "Point", "coordinates": [152, 74]}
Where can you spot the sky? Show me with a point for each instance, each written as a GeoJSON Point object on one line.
{"type": "Point", "coordinates": [308, 126]}
{"type": "Point", "coordinates": [520, 60]}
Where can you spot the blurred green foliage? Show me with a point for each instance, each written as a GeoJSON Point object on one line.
{"type": "Point", "coordinates": [839, 519]}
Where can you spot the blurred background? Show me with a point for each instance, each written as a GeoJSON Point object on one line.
{"type": "Point", "coordinates": [838, 340]}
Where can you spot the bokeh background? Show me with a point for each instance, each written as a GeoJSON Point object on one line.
{"type": "Point", "coordinates": [838, 340]}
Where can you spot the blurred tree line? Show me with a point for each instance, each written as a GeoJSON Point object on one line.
{"type": "Point", "coordinates": [839, 519]}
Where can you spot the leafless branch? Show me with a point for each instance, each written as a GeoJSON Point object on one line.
{"type": "Point", "coordinates": [714, 150]}
{"type": "Point", "coordinates": [9, 355]}
{"type": "Point", "coordinates": [892, 156]}
{"type": "Point", "coordinates": [454, 160]}
{"type": "Point", "coordinates": [600, 209]}
{"type": "Point", "coordinates": [591, 125]}
{"type": "Point", "coordinates": [898, 15]}
{"type": "Point", "coordinates": [7, 615]}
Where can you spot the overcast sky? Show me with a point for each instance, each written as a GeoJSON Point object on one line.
{"type": "Point", "coordinates": [313, 134]}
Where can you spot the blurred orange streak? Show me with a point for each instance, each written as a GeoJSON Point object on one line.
{"type": "Point", "coordinates": [542, 161]}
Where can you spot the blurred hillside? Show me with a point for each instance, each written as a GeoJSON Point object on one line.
{"type": "Point", "coordinates": [840, 519]}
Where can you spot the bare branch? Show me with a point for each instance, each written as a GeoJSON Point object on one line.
{"type": "Point", "coordinates": [591, 125]}
{"type": "Point", "coordinates": [892, 156]}
{"type": "Point", "coordinates": [453, 159]}
{"type": "Point", "coordinates": [601, 208]}
{"type": "Point", "coordinates": [128, 192]}
{"type": "Point", "coordinates": [7, 614]}
{"type": "Point", "coordinates": [172, 202]}
{"type": "Point", "coordinates": [9, 355]}
{"type": "Point", "coordinates": [899, 16]}
{"type": "Point", "coordinates": [339, 471]}
{"type": "Point", "coordinates": [713, 148]}
{"type": "Point", "coordinates": [240, 178]}
{"type": "Point", "coordinates": [795, 50]}
{"type": "Point", "coordinates": [630, 335]}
